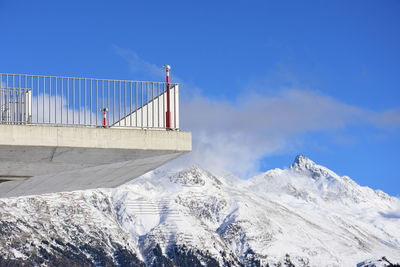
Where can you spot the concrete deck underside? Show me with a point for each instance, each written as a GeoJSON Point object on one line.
{"type": "Point", "coordinates": [40, 159]}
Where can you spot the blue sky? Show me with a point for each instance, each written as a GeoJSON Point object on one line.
{"type": "Point", "coordinates": [325, 74]}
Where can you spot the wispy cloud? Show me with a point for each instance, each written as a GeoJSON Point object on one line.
{"type": "Point", "coordinates": [138, 65]}
{"type": "Point", "coordinates": [235, 135]}
{"type": "Point", "coordinates": [238, 134]}
{"type": "Point", "coordinates": [386, 119]}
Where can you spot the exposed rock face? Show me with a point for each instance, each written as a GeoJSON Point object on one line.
{"type": "Point", "coordinates": [305, 215]}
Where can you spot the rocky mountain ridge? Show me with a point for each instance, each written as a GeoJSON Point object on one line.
{"type": "Point", "coordinates": [305, 215]}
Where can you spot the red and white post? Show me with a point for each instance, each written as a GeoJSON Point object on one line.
{"type": "Point", "coordinates": [168, 112]}
{"type": "Point", "coordinates": [104, 117]}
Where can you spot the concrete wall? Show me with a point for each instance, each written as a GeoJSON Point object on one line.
{"type": "Point", "coordinates": [84, 137]}
{"type": "Point", "coordinates": [73, 158]}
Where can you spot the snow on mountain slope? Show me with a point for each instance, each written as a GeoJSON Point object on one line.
{"type": "Point", "coordinates": [350, 222]}
{"type": "Point", "coordinates": [63, 229]}
{"type": "Point", "coordinates": [305, 215]}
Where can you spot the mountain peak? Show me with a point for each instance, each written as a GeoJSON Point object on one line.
{"type": "Point", "coordinates": [302, 162]}
{"type": "Point", "coordinates": [194, 176]}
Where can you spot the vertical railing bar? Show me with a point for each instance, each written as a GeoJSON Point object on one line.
{"type": "Point", "coordinates": [49, 99]}
{"type": "Point", "coordinates": [17, 105]}
{"type": "Point", "coordinates": [8, 105]}
{"type": "Point", "coordinates": [130, 106]}
{"type": "Point", "coordinates": [23, 96]}
{"type": "Point", "coordinates": [62, 99]}
{"type": "Point", "coordinates": [147, 105]}
{"type": "Point", "coordinates": [124, 103]}
{"type": "Point", "coordinates": [17, 101]}
{"type": "Point", "coordinates": [10, 100]}
{"type": "Point", "coordinates": [102, 95]}
{"type": "Point", "coordinates": [2, 95]}
{"type": "Point", "coordinates": [163, 106]}
{"type": "Point", "coordinates": [9, 117]}
{"type": "Point", "coordinates": [108, 98]}
{"type": "Point", "coordinates": [152, 104]}
{"type": "Point", "coordinates": [24, 93]}
{"type": "Point", "coordinates": [97, 103]}
{"type": "Point", "coordinates": [67, 80]}
{"type": "Point", "coordinates": [73, 101]}
{"type": "Point", "coordinates": [141, 104]}
{"type": "Point", "coordinates": [175, 103]}
{"type": "Point", "coordinates": [31, 103]}
{"type": "Point", "coordinates": [79, 101]}
{"type": "Point", "coordinates": [23, 102]}
{"type": "Point", "coordinates": [8, 114]}
{"type": "Point", "coordinates": [91, 108]}
{"type": "Point", "coordinates": [165, 88]}
{"type": "Point", "coordinates": [13, 106]}
{"type": "Point", "coordinates": [37, 101]}
{"type": "Point", "coordinates": [55, 103]}
{"type": "Point", "coordinates": [1, 99]}
{"type": "Point", "coordinates": [84, 101]}
{"type": "Point", "coordinates": [113, 101]}
{"type": "Point", "coordinates": [44, 92]}
{"type": "Point", "coordinates": [9, 96]}
{"type": "Point", "coordinates": [119, 103]}
{"type": "Point", "coordinates": [136, 104]}
{"type": "Point", "coordinates": [5, 100]}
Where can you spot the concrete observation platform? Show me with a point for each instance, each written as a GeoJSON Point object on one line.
{"type": "Point", "coordinates": [37, 159]}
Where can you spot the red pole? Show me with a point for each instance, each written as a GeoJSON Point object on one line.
{"type": "Point", "coordinates": [105, 117]}
{"type": "Point", "coordinates": [168, 113]}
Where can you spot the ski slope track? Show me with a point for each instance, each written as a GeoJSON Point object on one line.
{"type": "Point", "coordinates": [305, 215]}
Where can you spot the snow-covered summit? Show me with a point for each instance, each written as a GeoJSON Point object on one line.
{"type": "Point", "coordinates": [307, 167]}
{"type": "Point", "coordinates": [194, 176]}
{"type": "Point", "coordinates": [312, 182]}
{"type": "Point", "coordinates": [302, 161]}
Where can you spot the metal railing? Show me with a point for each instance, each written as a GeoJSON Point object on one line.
{"type": "Point", "coordinates": [66, 101]}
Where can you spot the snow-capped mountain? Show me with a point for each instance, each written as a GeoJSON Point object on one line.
{"type": "Point", "coordinates": [305, 215]}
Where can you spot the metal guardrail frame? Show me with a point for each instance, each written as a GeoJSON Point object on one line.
{"type": "Point", "coordinates": [69, 101]}
{"type": "Point", "coordinates": [15, 105]}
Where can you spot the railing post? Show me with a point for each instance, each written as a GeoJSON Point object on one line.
{"type": "Point", "coordinates": [104, 117]}
{"type": "Point", "coordinates": [168, 113]}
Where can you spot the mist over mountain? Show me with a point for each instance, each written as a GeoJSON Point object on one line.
{"type": "Point", "coordinates": [305, 215]}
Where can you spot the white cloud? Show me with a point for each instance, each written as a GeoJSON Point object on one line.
{"type": "Point", "coordinates": [386, 119]}
{"type": "Point", "coordinates": [235, 135]}
{"type": "Point", "coordinates": [138, 65]}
